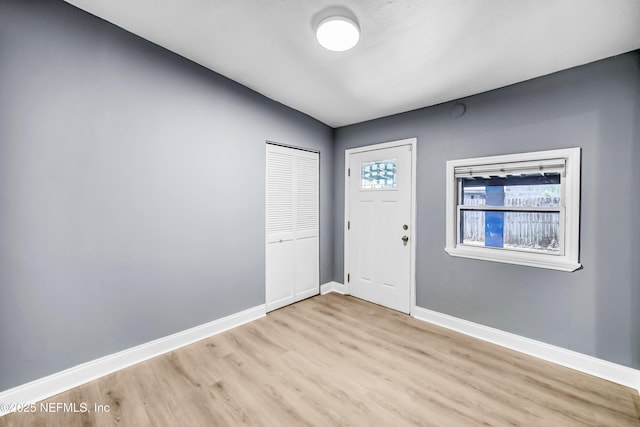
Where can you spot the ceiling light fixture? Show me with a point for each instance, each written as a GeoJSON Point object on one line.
{"type": "Point", "coordinates": [338, 33]}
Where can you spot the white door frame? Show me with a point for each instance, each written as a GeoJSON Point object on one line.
{"type": "Point", "coordinates": [412, 143]}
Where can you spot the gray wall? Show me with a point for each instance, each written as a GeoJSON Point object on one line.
{"type": "Point", "coordinates": [596, 107]}
{"type": "Point", "coordinates": [635, 252]}
{"type": "Point", "coordinates": [131, 190]}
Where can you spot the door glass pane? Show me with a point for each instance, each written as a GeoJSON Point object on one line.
{"type": "Point", "coordinates": [380, 174]}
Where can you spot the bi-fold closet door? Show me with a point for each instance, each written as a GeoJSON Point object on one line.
{"type": "Point", "coordinates": [292, 226]}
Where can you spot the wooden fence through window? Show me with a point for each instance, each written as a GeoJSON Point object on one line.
{"type": "Point", "coordinates": [526, 230]}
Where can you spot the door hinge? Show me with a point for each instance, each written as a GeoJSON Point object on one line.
{"type": "Point", "coordinates": [348, 277]}
{"type": "Point", "coordinates": [348, 225]}
{"type": "Point", "coordinates": [349, 172]}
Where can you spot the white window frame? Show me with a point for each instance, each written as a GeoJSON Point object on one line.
{"type": "Point", "coordinates": [567, 260]}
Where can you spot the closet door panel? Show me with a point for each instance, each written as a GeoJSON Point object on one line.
{"type": "Point", "coordinates": [306, 268]}
{"type": "Point", "coordinates": [292, 226]}
{"type": "Point", "coordinates": [280, 290]}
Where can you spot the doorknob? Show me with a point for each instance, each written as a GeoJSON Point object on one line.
{"type": "Point", "coordinates": [405, 239]}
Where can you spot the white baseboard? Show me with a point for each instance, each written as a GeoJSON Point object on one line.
{"type": "Point", "coordinates": [59, 382]}
{"type": "Point", "coordinates": [580, 362]}
{"type": "Point", "coordinates": [333, 287]}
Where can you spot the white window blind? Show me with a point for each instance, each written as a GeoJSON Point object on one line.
{"type": "Point", "coordinates": [512, 168]}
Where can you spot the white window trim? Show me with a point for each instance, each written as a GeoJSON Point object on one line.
{"type": "Point", "coordinates": [570, 220]}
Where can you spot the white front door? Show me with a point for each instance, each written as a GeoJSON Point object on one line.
{"type": "Point", "coordinates": [379, 226]}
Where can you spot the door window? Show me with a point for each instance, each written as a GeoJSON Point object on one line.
{"type": "Point", "coordinates": [377, 175]}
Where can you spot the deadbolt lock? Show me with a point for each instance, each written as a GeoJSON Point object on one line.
{"type": "Point", "coordinates": [405, 227]}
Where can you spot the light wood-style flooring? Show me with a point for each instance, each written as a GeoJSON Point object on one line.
{"type": "Point", "coordinates": [335, 360]}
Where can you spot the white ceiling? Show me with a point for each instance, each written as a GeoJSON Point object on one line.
{"type": "Point", "coordinates": [412, 53]}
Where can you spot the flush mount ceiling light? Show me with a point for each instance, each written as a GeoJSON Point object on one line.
{"type": "Point", "coordinates": [338, 33]}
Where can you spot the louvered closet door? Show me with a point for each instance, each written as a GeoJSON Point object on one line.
{"type": "Point", "coordinates": [292, 241]}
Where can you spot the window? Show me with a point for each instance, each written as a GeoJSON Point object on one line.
{"type": "Point", "coordinates": [518, 209]}
{"type": "Point", "coordinates": [380, 174]}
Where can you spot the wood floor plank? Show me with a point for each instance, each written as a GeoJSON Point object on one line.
{"type": "Point", "coordinates": [334, 360]}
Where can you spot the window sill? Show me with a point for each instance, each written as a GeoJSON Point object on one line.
{"type": "Point", "coordinates": [552, 262]}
